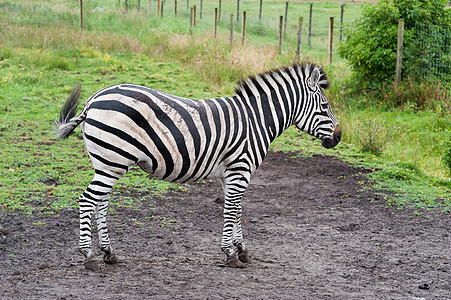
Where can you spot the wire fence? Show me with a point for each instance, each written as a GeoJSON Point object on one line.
{"type": "Point", "coordinates": [262, 21]}
{"type": "Point", "coordinates": [435, 50]}
{"type": "Point", "coordinates": [263, 26]}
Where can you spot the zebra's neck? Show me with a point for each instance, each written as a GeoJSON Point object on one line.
{"type": "Point", "coordinates": [272, 102]}
{"type": "Point", "coordinates": [270, 99]}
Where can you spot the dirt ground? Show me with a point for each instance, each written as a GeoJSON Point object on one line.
{"type": "Point", "coordinates": [311, 230]}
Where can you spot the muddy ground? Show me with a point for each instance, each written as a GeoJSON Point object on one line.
{"type": "Point", "coordinates": [312, 232]}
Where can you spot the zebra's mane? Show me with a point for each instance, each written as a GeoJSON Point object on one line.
{"type": "Point", "coordinates": [305, 68]}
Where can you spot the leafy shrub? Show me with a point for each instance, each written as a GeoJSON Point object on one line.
{"type": "Point", "coordinates": [371, 45]}
{"type": "Point", "coordinates": [371, 136]}
{"type": "Point", "coordinates": [446, 148]}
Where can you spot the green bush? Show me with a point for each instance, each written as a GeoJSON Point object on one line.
{"type": "Point", "coordinates": [371, 45]}
{"type": "Point", "coordinates": [446, 148]}
{"type": "Point", "coordinates": [372, 136]}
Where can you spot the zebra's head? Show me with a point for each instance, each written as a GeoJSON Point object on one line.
{"type": "Point", "coordinates": [316, 116]}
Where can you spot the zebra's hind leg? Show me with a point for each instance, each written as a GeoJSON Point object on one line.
{"type": "Point", "coordinates": [87, 208]}
{"type": "Point", "coordinates": [95, 200]}
{"type": "Point", "coordinates": [109, 256]}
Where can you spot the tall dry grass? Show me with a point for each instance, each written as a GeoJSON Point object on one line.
{"type": "Point", "coordinates": [214, 60]}
{"type": "Point", "coordinates": [64, 38]}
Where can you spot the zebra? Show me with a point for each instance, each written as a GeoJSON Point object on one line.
{"type": "Point", "coordinates": [184, 140]}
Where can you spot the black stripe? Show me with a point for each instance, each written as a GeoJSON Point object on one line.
{"type": "Point", "coordinates": [88, 196]}
{"type": "Point", "coordinates": [108, 146]}
{"type": "Point", "coordinates": [97, 193]}
{"type": "Point", "coordinates": [100, 183]}
{"type": "Point", "coordinates": [107, 162]}
{"type": "Point", "coordinates": [102, 173]}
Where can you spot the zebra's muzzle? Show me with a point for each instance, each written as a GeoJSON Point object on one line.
{"type": "Point", "coordinates": [331, 142]}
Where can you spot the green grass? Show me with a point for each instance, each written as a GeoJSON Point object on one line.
{"type": "Point", "coordinates": [42, 58]}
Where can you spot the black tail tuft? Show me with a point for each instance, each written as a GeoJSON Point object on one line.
{"type": "Point", "coordinates": [64, 126]}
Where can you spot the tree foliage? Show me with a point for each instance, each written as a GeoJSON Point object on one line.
{"type": "Point", "coordinates": [371, 45]}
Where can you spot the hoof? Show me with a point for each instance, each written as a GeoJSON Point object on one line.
{"type": "Point", "coordinates": [234, 262]}
{"type": "Point", "coordinates": [244, 257]}
{"type": "Point", "coordinates": [91, 264]}
{"type": "Point", "coordinates": [110, 258]}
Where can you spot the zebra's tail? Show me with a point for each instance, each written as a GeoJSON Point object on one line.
{"type": "Point", "coordinates": [67, 121]}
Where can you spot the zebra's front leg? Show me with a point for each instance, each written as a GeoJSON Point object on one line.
{"type": "Point", "coordinates": [238, 240]}
{"type": "Point", "coordinates": [234, 187]}
{"type": "Point", "coordinates": [227, 246]}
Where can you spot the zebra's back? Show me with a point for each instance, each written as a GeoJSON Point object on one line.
{"type": "Point", "coordinates": [172, 138]}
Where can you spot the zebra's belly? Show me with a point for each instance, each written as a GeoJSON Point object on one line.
{"type": "Point", "coordinates": [192, 174]}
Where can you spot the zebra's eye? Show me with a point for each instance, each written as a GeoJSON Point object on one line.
{"type": "Point", "coordinates": [324, 106]}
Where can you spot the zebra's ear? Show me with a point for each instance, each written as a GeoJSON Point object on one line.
{"type": "Point", "coordinates": [314, 77]}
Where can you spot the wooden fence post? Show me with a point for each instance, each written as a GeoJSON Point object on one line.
{"type": "Point", "coordinates": [243, 29]}
{"type": "Point", "coordinates": [200, 12]}
{"type": "Point", "coordinates": [216, 22]}
{"type": "Point", "coordinates": [231, 30]}
{"type": "Point", "coordinates": [331, 38]}
{"type": "Point", "coordinates": [310, 24]}
{"type": "Point", "coordinates": [280, 33]}
{"type": "Point", "coordinates": [149, 5]}
{"type": "Point", "coordinates": [191, 20]}
{"type": "Point", "coordinates": [341, 21]}
{"type": "Point", "coordinates": [286, 18]}
{"type": "Point", "coordinates": [260, 11]}
{"type": "Point", "coordinates": [158, 8]}
{"type": "Point", "coordinates": [237, 10]}
{"type": "Point", "coordinates": [139, 5]}
{"type": "Point", "coordinates": [298, 48]}
{"type": "Point", "coordinates": [399, 51]}
{"type": "Point", "coordinates": [175, 7]}
{"type": "Point", "coordinates": [126, 5]}
{"type": "Point", "coordinates": [81, 14]}
{"type": "Point", "coordinates": [194, 15]}
{"type": "Point", "coordinates": [162, 6]}
{"type": "Point", "coordinates": [219, 10]}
